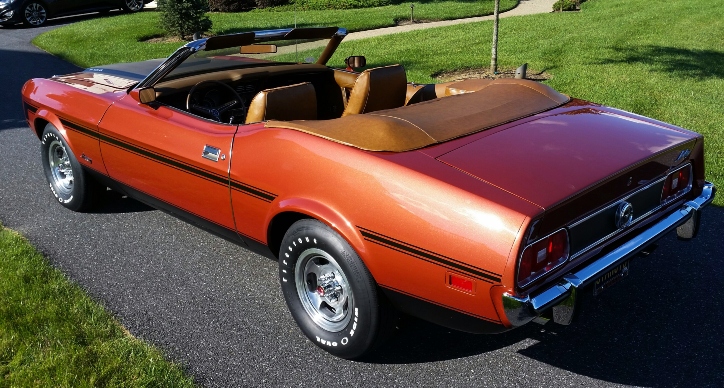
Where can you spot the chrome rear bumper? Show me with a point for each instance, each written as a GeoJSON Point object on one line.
{"type": "Point", "coordinates": [520, 311]}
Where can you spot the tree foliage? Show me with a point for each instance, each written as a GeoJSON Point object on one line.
{"type": "Point", "coordinates": [184, 17]}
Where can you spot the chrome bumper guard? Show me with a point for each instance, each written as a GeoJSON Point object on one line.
{"type": "Point", "coordinates": [520, 311]}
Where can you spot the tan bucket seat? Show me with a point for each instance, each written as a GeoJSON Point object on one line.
{"type": "Point", "coordinates": [293, 102]}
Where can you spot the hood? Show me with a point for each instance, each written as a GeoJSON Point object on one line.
{"type": "Point", "coordinates": [95, 83]}
{"type": "Point", "coordinates": [132, 71]}
{"type": "Point", "coordinates": [546, 161]}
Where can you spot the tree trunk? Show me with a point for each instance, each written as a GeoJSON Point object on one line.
{"type": "Point", "coordinates": [494, 56]}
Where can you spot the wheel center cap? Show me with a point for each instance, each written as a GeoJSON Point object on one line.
{"type": "Point", "coordinates": [329, 288]}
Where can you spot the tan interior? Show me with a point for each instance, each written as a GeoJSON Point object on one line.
{"type": "Point", "coordinates": [425, 92]}
{"type": "Point", "coordinates": [470, 106]}
{"type": "Point", "coordinates": [228, 76]}
{"type": "Point", "coordinates": [345, 79]}
{"type": "Point", "coordinates": [377, 89]}
{"type": "Point", "coordinates": [293, 102]}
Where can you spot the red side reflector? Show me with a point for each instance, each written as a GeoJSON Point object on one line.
{"type": "Point", "coordinates": [460, 283]}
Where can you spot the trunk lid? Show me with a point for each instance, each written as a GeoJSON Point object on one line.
{"type": "Point", "coordinates": [549, 160]}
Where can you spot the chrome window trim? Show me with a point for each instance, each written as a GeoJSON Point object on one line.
{"type": "Point", "coordinates": [662, 205]}
{"type": "Point", "coordinates": [520, 258]}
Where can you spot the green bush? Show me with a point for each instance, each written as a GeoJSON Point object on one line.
{"type": "Point", "coordinates": [567, 5]}
{"type": "Point", "coordinates": [184, 17]}
{"type": "Point", "coordinates": [270, 3]}
{"type": "Point", "coordinates": [231, 5]}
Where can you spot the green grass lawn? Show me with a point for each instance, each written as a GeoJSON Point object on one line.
{"type": "Point", "coordinates": [121, 38]}
{"type": "Point", "coordinates": [662, 59]}
{"type": "Point", "coordinates": [53, 335]}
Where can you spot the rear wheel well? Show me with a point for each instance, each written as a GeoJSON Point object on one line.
{"type": "Point", "coordinates": [279, 226]}
{"type": "Point", "coordinates": [39, 126]}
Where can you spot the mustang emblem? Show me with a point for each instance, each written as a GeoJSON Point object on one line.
{"type": "Point", "coordinates": [624, 215]}
{"type": "Point", "coordinates": [682, 155]}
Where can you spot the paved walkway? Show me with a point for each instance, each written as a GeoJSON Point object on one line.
{"type": "Point", "coordinates": [525, 7]}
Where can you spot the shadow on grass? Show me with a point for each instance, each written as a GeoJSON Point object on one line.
{"type": "Point", "coordinates": [680, 62]}
{"type": "Point", "coordinates": [659, 327]}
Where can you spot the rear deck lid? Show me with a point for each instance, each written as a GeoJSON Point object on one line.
{"type": "Point", "coordinates": [548, 160]}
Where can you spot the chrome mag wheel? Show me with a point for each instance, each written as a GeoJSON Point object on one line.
{"type": "Point", "coordinates": [35, 14]}
{"type": "Point", "coordinates": [60, 167]}
{"type": "Point", "coordinates": [134, 5]}
{"type": "Point", "coordinates": [323, 290]}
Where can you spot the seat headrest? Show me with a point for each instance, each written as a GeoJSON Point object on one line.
{"type": "Point", "coordinates": [293, 102]}
{"type": "Point", "coordinates": [377, 89]}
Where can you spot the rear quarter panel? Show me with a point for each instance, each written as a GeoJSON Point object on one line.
{"type": "Point", "coordinates": [412, 220]}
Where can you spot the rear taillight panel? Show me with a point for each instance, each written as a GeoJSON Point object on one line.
{"type": "Point", "coordinates": [542, 257]}
{"type": "Point", "coordinates": [676, 184]}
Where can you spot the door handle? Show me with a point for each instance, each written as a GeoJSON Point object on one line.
{"type": "Point", "coordinates": [212, 153]}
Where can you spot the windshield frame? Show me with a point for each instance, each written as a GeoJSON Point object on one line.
{"type": "Point", "coordinates": [334, 34]}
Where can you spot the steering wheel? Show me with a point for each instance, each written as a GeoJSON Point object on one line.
{"type": "Point", "coordinates": [213, 99]}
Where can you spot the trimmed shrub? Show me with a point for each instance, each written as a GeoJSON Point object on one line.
{"type": "Point", "coordinates": [270, 3]}
{"type": "Point", "coordinates": [184, 17]}
{"type": "Point", "coordinates": [341, 4]}
{"type": "Point", "coordinates": [567, 5]}
{"type": "Point", "coordinates": [231, 5]}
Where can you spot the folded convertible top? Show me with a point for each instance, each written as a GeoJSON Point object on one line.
{"type": "Point", "coordinates": [490, 103]}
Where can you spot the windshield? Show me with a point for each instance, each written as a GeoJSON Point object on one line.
{"type": "Point", "coordinates": [242, 50]}
{"type": "Point", "coordinates": [218, 60]}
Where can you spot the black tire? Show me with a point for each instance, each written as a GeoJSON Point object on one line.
{"type": "Point", "coordinates": [69, 183]}
{"type": "Point", "coordinates": [346, 329]}
{"type": "Point", "coordinates": [35, 13]}
{"type": "Point", "coordinates": [133, 5]}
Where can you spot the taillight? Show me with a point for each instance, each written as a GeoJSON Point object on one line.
{"type": "Point", "coordinates": [676, 183]}
{"type": "Point", "coordinates": [542, 257]}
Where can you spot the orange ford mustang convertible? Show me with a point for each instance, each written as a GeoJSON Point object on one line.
{"type": "Point", "coordinates": [480, 205]}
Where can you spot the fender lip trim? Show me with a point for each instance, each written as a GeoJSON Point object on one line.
{"type": "Point", "coordinates": [521, 310]}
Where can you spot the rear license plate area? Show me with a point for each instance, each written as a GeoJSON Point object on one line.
{"type": "Point", "coordinates": [611, 277]}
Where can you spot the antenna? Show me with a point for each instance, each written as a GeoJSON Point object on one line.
{"type": "Point", "coordinates": [296, 47]}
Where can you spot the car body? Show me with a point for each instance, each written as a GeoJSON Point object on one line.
{"type": "Point", "coordinates": [479, 205]}
{"type": "Point", "coordinates": [35, 13]}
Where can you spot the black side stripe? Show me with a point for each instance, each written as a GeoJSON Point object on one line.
{"type": "Point", "coordinates": [253, 191]}
{"type": "Point", "coordinates": [439, 304]}
{"type": "Point", "coordinates": [428, 256]}
{"type": "Point", "coordinates": [30, 107]}
{"type": "Point", "coordinates": [210, 176]}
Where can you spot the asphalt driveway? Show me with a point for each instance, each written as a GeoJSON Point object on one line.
{"type": "Point", "coordinates": [217, 309]}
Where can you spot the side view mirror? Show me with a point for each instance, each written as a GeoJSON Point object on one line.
{"type": "Point", "coordinates": [147, 95]}
{"type": "Point", "coordinates": [355, 61]}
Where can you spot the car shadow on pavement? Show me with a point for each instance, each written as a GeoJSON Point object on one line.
{"type": "Point", "coordinates": [115, 202]}
{"type": "Point", "coordinates": [659, 327]}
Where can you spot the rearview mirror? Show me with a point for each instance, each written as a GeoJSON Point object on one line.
{"type": "Point", "coordinates": [147, 95]}
{"type": "Point", "coordinates": [258, 49]}
{"type": "Point", "coordinates": [355, 61]}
